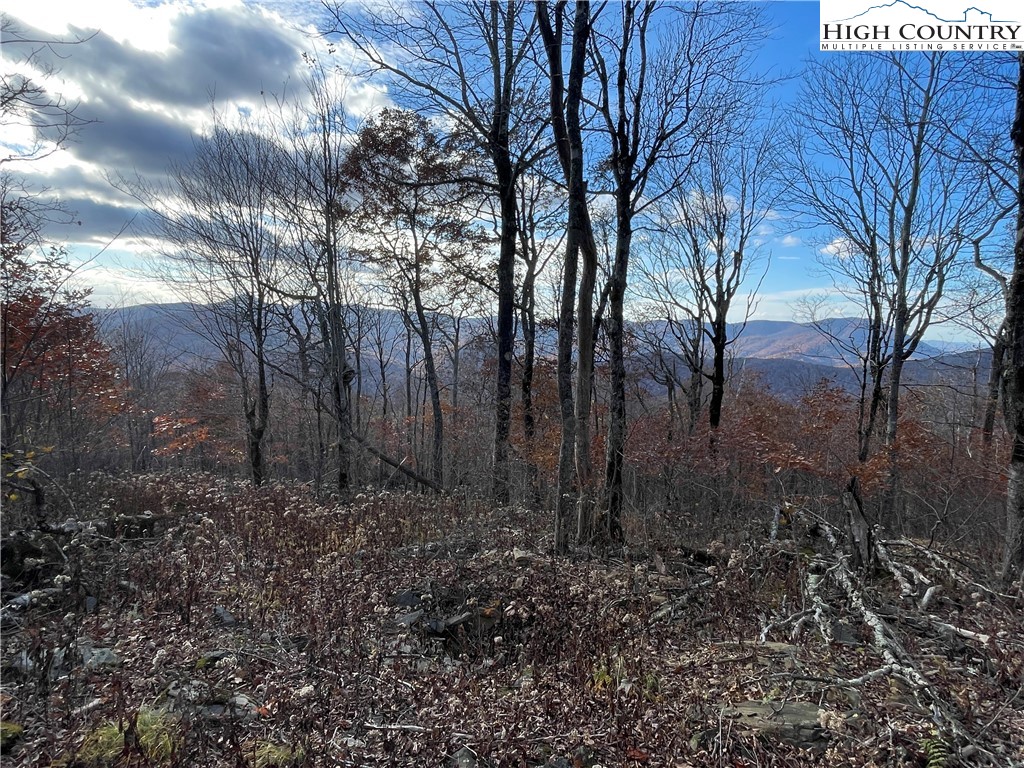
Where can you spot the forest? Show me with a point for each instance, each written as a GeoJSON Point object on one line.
{"type": "Point", "coordinates": [448, 453]}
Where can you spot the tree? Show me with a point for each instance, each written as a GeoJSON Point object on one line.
{"type": "Point", "coordinates": [541, 209]}
{"type": "Point", "coordinates": [40, 122]}
{"type": "Point", "coordinates": [566, 97]}
{"type": "Point", "coordinates": [659, 100]}
{"type": "Point", "coordinates": [875, 170]}
{"type": "Point", "coordinates": [417, 215]}
{"type": "Point", "coordinates": [1013, 557]}
{"type": "Point", "coordinates": [217, 224]}
{"type": "Point", "coordinates": [314, 197]}
{"type": "Point", "coordinates": [57, 379]}
{"type": "Point", "coordinates": [144, 364]}
{"type": "Point", "coordinates": [36, 123]}
{"type": "Point", "coordinates": [705, 250]}
{"type": "Point", "coordinates": [466, 61]}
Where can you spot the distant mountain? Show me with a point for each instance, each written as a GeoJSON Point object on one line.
{"type": "Point", "coordinates": [787, 357]}
{"type": "Point", "coordinates": [826, 344]}
{"type": "Point", "coordinates": [176, 328]}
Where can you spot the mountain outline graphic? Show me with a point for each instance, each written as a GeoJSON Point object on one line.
{"type": "Point", "coordinates": [911, 6]}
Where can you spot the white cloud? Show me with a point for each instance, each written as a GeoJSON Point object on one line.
{"type": "Point", "coordinates": [119, 287]}
{"type": "Point", "coordinates": [790, 241]}
{"type": "Point", "coordinates": [146, 28]}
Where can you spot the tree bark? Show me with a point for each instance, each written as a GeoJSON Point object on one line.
{"type": "Point", "coordinates": [433, 386]}
{"type": "Point", "coordinates": [1013, 379]}
{"type": "Point", "coordinates": [610, 529]}
{"type": "Point", "coordinates": [566, 98]}
{"type": "Point", "coordinates": [997, 367]}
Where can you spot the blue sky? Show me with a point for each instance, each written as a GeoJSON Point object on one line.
{"type": "Point", "coordinates": [146, 76]}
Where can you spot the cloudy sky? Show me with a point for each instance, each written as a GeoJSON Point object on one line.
{"type": "Point", "coordinates": [145, 77]}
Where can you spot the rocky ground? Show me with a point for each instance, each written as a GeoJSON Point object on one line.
{"type": "Point", "coordinates": [180, 620]}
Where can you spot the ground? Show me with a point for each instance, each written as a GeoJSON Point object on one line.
{"type": "Point", "coordinates": [185, 620]}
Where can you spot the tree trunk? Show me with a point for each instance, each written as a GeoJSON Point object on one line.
{"type": "Point", "coordinates": [995, 376]}
{"type": "Point", "coordinates": [506, 312]}
{"type": "Point", "coordinates": [529, 324]}
{"type": "Point", "coordinates": [437, 443]}
{"type": "Point", "coordinates": [257, 417]}
{"type": "Point", "coordinates": [718, 343]}
{"type": "Point", "coordinates": [565, 125]}
{"type": "Point", "coordinates": [585, 386]}
{"type": "Point", "coordinates": [610, 529]}
{"type": "Point", "coordinates": [1013, 392]}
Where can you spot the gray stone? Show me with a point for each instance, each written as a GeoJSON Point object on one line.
{"type": "Point", "coordinates": [410, 618]}
{"type": "Point", "coordinates": [97, 658]}
{"type": "Point", "coordinates": [844, 634]}
{"type": "Point", "coordinates": [36, 597]}
{"type": "Point", "coordinates": [222, 616]}
{"type": "Point", "coordinates": [408, 599]}
{"type": "Point", "coordinates": [467, 758]}
{"type": "Point", "coordinates": [452, 622]}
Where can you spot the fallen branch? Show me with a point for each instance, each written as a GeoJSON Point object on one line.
{"type": "Point", "coordinates": [400, 466]}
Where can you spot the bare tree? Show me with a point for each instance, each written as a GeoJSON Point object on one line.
{"type": "Point", "coordinates": [875, 168]}
{"type": "Point", "coordinates": [144, 364]}
{"type": "Point", "coordinates": [1013, 557]}
{"type": "Point", "coordinates": [706, 249]}
{"type": "Point", "coordinates": [465, 60]}
{"type": "Point", "coordinates": [36, 122]}
{"type": "Point", "coordinates": [41, 121]}
{"type": "Point", "coordinates": [314, 198]}
{"type": "Point", "coordinates": [659, 99]}
{"type": "Point", "coordinates": [217, 224]}
{"type": "Point", "coordinates": [541, 211]}
{"type": "Point", "coordinates": [416, 214]}
{"type": "Point", "coordinates": [566, 97]}
{"type": "Point", "coordinates": [872, 168]}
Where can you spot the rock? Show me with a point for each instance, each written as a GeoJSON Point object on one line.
{"type": "Point", "coordinates": [844, 634]}
{"type": "Point", "coordinates": [409, 619]}
{"type": "Point", "coordinates": [90, 604]}
{"type": "Point", "coordinates": [34, 598]}
{"type": "Point", "coordinates": [467, 758]}
{"type": "Point", "coordinates": [97, 658]}
{"type": "Point", "coordinates": [521, 556]}
{"type": "Point", "coordinates": [454, 622]}
{"type": "Point", "coordinates": [796, 722]}
{"type": "Point", "coordinates": [408, 599]}
{"type": "Point", "coordinates": [52, 662]}
{"type": "Point", "coordinates": [237, 707]}
{"type": "Point", "coordinates": [190, 692]}
{"type": "Point", "coordinates": [222, 616]}
{"type": "Point", "coordinates": [200, 698]}
{"type": "Point", "coordinates": [435, 626]}
{"type": "Point", "coordinates": [10, 733]}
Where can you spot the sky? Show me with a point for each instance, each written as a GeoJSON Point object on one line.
{"type": "Point", "coordinates": [147, 72]}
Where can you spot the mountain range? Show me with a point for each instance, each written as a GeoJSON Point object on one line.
{"type": "Point", "coordinates": [788, 357]}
